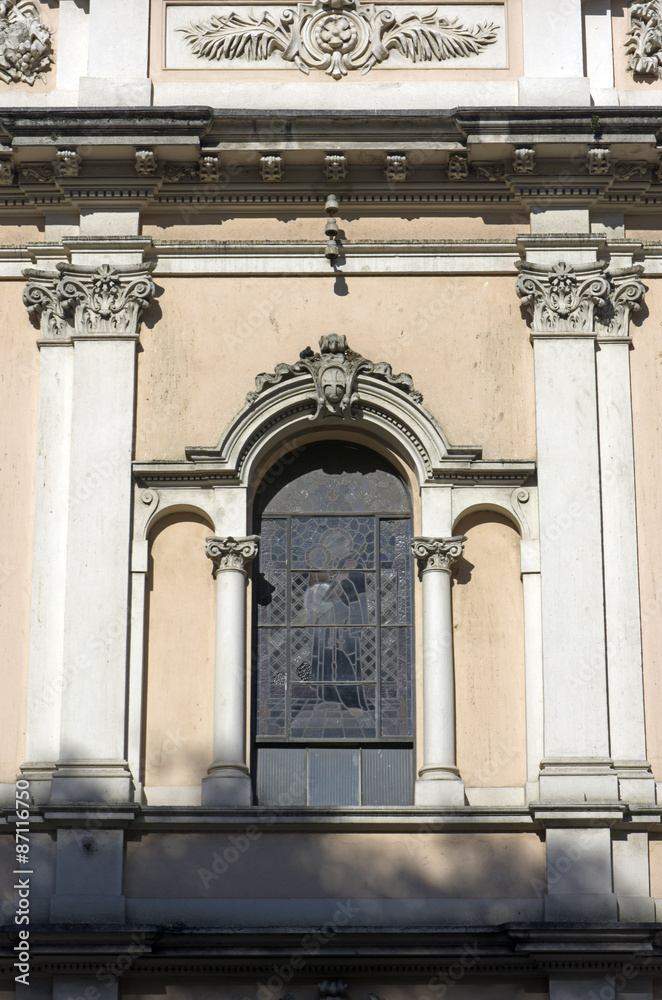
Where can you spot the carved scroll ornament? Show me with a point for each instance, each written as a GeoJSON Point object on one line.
{"type": "Point", "coordinates": [438, 553]}
{"type": "Point", "coordinates": [644, 39]}
{"type": "Point", "coordinates": [25, 42]}
{"type": "Point", "coordinates": [337, 36]}
{"type": "Point", "coordinates": [231, 553]}
{"type": "Point", "coordinates": [334, 372]}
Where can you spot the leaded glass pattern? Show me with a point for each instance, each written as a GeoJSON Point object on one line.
{"type": "Point", "coordinates": [334, 606]}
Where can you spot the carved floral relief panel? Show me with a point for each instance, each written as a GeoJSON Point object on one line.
{"type": "Point", "coordinates": [341, 38]}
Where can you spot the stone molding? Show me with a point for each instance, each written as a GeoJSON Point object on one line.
{"type": "Point", "coordinates": [582, 300]}
{"type": "Point", "coordinates": [644, 39]}
{"type": "Point", "coordinates": [334, 372]}
{"type": "Point", "coordinates": [336, 36]}
{"type": "Point", "coordinates": [78, 301]}
{"type": "Point", "coordinates": [26, 50]}
{"type": "Point", "coordinates": [438, 553]}
{"type": "Point", "coordinates": [231, 553]}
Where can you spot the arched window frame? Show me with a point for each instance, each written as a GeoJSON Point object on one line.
{"type": "Point", "coordinates": [295, 405]}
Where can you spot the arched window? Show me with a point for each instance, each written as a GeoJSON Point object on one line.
{"type": "Point", "coordinates": [333, 679]}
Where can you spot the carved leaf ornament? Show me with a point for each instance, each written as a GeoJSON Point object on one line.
{"type": "Point", "coordinates": [25, 42]}
{"type": "Point", "coordinates": [337, 36]}
{"type": "Point", "coordinates": [644, 40]}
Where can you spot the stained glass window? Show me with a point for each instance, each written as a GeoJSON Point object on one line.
{"type": "Point", "coordinates": [334, 605]}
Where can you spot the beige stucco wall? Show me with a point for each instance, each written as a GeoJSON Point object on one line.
{"type": "Point", "coordinates": [180, 654]}
{"type": "Point", "coordinates": [19, 231]}
{"type": "Point", "coordinates": [19, 389]}
{"type": "Point", "coordinates": [646, 369]}
{"type": "Point", "coordinates": [462, 338]}
{"type": "Point", "coordinates": [197, 223]}
{"type": "Point", "coordinates": [489, 654]}
{"type": "Point", "coordinates": [336, 865]}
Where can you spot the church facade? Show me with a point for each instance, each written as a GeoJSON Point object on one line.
{"type": "Point", "coordinates": [330, 572]}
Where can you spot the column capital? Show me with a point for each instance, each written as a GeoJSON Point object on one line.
{"type": "Point", "coordinates": [581, 300]}
{"type": "Point", "coordinates": [438, 553]}
{"type": "Point", "coordinates": [97, 302]}
{"type": "Point", "coordinates": [231, 553]}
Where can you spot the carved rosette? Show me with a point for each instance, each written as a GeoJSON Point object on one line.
{"type": "Point", "coordinates": [231, 553]}
{"type": "Point", "coordinates": [337, 36]}
{"type": "Point", "coordinates": [585, 300]}
{"type": "Point", "coordinates": [644, 39]}
{"type": "Point", "coordinates": [89, 301]}
{"type": "Point", "coordinates": [438, 553]}
{"type": "Point", "coordinates": [562, 298]}
{"type": "Point", "coordinates": [334, 373]}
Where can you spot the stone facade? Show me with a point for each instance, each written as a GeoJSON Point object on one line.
{"type": "Point", "coordinates": [233, 235]}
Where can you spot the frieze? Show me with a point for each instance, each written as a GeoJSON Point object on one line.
{"type": "Point", "coordinates": [337, 36]}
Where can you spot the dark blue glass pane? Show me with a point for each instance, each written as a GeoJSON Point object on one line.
{"type": "Point", "coordinates": [272, 682]}
{"type": "Point", "coordinates": [395, 674]}
{"type": "Point", "coordinates": [271, 581]}
{"type": "Point", "coordinates": [333, 598]}
{"type": "Point", "coordinates": [395, 575]}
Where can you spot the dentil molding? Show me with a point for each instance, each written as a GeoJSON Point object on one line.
{"type": "Point", "coordinates": [231, 553]}
{"type": "Point", "coordinates": [580, 300]}
{"type": "Point", "coordinates": [89, 301]}
{"type": "Point", "coordinates": [337, 36]}
{"type": "Point", "coordinates": [644, 39]}
{"type": "Point", "coordinates": [26, 51]}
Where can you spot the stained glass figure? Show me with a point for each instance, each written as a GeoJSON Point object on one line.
{"type": "Point", "coordinates": [334, 599]}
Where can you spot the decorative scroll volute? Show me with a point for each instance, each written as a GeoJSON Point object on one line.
{"type": "Point", "coordinates": [584, 300]}
{"type": "Point", "coordinates": [89, 301]}
{"type": "Point", "coordinates": [231, 553]}
{"type": "Point", "coordinates": [438, 553]}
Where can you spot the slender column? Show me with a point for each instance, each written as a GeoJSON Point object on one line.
{"type": "Point", "coordinates": [102, 308]}
{"type": "Point", "coordinates": [530, 569]}
{"type": "Point", "coordinates": [229, 781]}
{"type": "Point", "coordinates": [46, 679]}
{"type": "Point", "coordinates": [563, 300]}
{"type": "Point", "coordinates": [439, 779]}
{"type": "Point", "coordinates": [621, 568]}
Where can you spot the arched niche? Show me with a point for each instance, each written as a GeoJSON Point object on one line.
{"type": "Point", "coordinates": [179, 653]}
{"type": "Point", "coordinates": [488, 617]}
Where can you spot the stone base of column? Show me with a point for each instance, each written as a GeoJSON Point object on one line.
{"type": "Point", "coordinates": [578, 779]}
{"type": "Point", "coordinates": [439, 785]}
{"type": "Point", "coordinates": [227, 785]}
{"type": "Point", "coordinates": [39, 774]}
{"type": "Point", "coordinates": [636, 782]}
{"type": "Point", "coordinates": [92, 781]}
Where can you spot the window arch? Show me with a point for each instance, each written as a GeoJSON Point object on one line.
{"type": "Point", "coordinates": [333, 721]}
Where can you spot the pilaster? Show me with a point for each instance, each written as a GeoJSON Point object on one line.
{"type": "Point", "coordinates": [100, 309]}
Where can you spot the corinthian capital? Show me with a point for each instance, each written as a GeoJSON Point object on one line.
{"type": "Point", "coordinates": [89, 301]}
{"type": "Point", "coordinates": [231, 553]}
{"type": "Point", "coordinates": [627, 296]}
{"type": "Point", "coordinates": [563, 298]}
{"type": "Point", "coordinates": [438, 553]}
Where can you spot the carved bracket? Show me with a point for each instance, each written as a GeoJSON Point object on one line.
{"type": "Point", "coordinates": [337, 36]}
{"type": "Point", "coordinates": [231, 553]}
{"type": "Point", "coordinates": [334, 372]}
{"type": "Point", "coordinates": [644, 39]}
{"type": "Point", "coordinates": [89, 301]}
{"type": "Point", "coordinates": [26, 51]}
{"type": "Point", "coordinates": [582, 300]}
{"type": "Point", "coordinates": [438, 553]}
